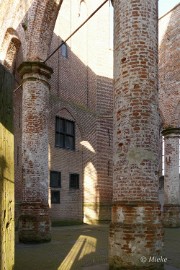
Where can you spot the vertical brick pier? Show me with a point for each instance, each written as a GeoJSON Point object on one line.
{"type": "Point", "coordinates": [171, 215]}
{"type": "Point", "coordinates": [34, 221]}
{"type": "Point", "coordinates": [136, 232]}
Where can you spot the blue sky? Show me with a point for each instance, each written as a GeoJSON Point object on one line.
{"type": "Point", "coordinates": [166, 5]}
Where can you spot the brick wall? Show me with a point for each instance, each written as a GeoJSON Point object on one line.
{"type": "Point", "coordinates": [81, 90]}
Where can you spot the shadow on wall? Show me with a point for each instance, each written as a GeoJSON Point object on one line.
{"type": "Point", "coordinates": [6, 97]}
{"type": "Point", "coordinates": [89, 99]}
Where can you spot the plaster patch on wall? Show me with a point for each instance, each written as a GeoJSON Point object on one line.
{"type": "Point", "coordinates": [120, 215]}
{"type": "Point", "coordinates": [137, 154]}
{"type": "Point", "coordinates": [140, 215]}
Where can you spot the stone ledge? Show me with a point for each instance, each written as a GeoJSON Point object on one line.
{"type": "Point", "coordinates": [35, 67]}
{"type": "Point", "coordinates": [135, 203]}
{"type": "Point", "coordinates": [171, 131]}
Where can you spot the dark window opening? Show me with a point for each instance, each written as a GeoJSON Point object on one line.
{"type": "Point", "coordinates": [65, 133]}
{"type": "Point", "coordinates": [55, 179]}
{"type": "Point", "coordinates": [74, 180]}
{"type": "Point", "coordinates": [55, 197]}
{"type": "Point", "coordinates": [161, 182]}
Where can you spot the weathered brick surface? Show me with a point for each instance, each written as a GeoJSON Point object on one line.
{"type": "Point", "coordinates": [136, 137]}
{"type": "Point", "coordinates": [33, 21]}
{"type": "Point", "coordinates": [169, 101]}
{"type": "Point", "coordinates": [34, 207]}
{"type": "Point", "coordinates": [135, 233]}
{"type": "Point", "coordinates": [81, 90]}
{"type": "Point", "coordinates": [34, 223]}
{"type": "Point", "coordinates": [171, 178]}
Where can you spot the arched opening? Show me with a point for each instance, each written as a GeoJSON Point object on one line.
{"type": "Point", "coordinates": [9, 49]}
{"type": "Point", "coordinates": [13, 48]}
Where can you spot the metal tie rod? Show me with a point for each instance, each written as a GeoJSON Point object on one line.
{"type": "Point", "coordinates": [63, 42]}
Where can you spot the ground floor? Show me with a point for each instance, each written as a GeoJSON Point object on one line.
{"type": "Point", "coordinates": [83, 247]}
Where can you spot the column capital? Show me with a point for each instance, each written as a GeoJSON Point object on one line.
{"type": "Point", "coordinates": [169, 131]}
{"type": "Point", "coordinates": [30, 67]}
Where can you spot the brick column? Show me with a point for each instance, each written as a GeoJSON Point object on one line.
{"type": "Point", "coordinates": [34, 221]}
{"type": "Point", "coordinates": [136, 228]}
{"type": "Point", "coordinates": [171, 215]}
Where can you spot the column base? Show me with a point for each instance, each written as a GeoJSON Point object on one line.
{"type": "Point", "coordinates": [171, 216]}
{"type": "Point", "coordinates": [136, 237]}
{"type": "Point", "coordinates": [34, 225]}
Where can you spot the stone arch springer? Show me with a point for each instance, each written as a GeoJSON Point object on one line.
{"type": "Point", "coordinates": [40, 21]}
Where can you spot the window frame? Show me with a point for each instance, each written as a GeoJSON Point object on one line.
{"type": "Point", "coordinates": [59, 198]}
{"type": "Point", "coordinates": [64, 49]}
{"type": "Point", "coordinates": [77, 187]}
{"type": "Point", "coordinates": [64, 134]}
{"type": "Point", "coordinates": [59, 180]}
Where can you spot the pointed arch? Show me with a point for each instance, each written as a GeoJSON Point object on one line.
{"type": "Point", "coordinates": [69, 115]}
{"type": "Point", "coordinates": [66, 114]}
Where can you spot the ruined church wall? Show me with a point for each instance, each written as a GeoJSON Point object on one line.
{"type": "Point", "coordinates": [81, 90]}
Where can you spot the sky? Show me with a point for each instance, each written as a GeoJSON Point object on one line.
{"type": "Point", "coordinates": [166, 5]}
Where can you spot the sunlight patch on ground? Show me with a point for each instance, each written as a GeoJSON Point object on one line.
{"type": "Point", "coordinates": [84, 246]}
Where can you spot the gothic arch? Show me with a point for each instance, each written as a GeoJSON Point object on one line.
{"type": "Point", "coordinates": [66, 113]}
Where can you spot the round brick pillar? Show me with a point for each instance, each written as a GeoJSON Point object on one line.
{"type": "Point", "coordinates": [171, 209]}
{"type": "Point", "coordinates": [34, 221]}
{"type": "Point", "coordinates": [136, 232]}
